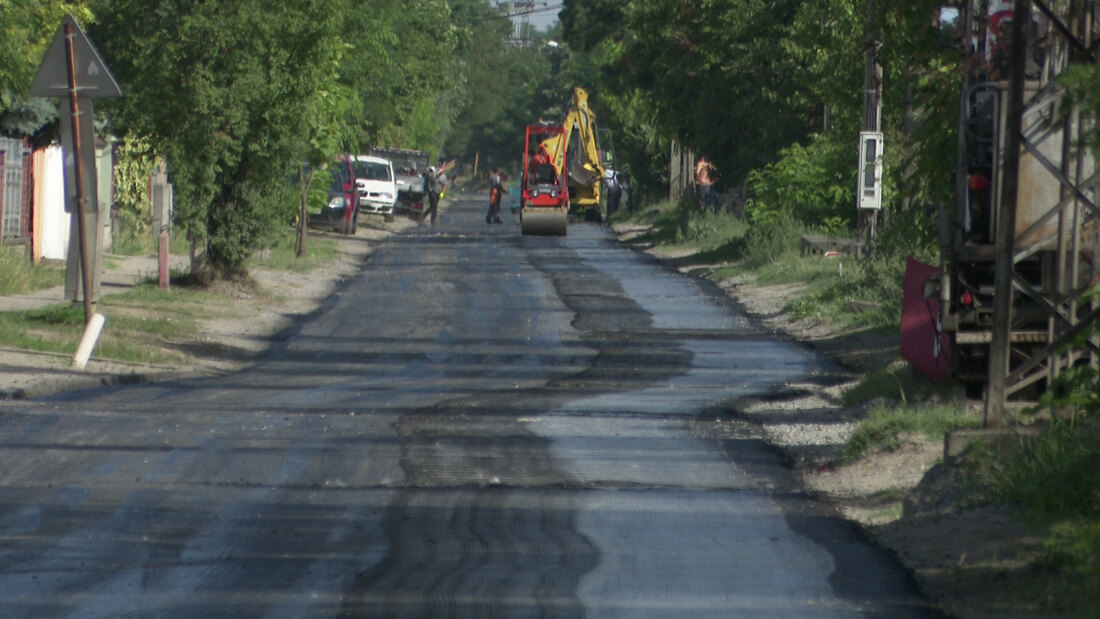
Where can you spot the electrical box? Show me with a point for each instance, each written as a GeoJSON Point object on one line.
{"type": "Point", "coordinates": [162, 201]}
{"type": "Point", "coordinates": [870, 170]}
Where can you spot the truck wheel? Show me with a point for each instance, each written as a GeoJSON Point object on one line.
{"type": "Point", "coordinates": [975, 389]}
{"type": "Point", "coordinates": [354, 223]}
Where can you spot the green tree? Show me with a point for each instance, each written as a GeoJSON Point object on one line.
{"type": "Point", "coordinates": [400, 65]}
{"type": "Point", "coordinates": [326, 133]}
{"type": "Point", "coordinates": [26, 29]}
{"type": "Point", "coordinates": [498, 85]}
{"type": "Point", "coordinates": [923, 76]}
{"type": "Point", "coordinates": [224, 91]}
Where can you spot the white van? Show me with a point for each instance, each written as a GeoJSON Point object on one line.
{"type": "Point", "coordinates": [375, 184]}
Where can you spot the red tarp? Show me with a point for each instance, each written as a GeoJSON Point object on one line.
{"type": "Point", "coordinates": [923, 345]}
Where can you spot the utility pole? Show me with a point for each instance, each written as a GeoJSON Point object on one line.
{"type": "Point", "coordinates": [72, 69]}
{"type": "Point", "coordinates": [869, 198]}
{"type": "Point", "coordinates": [1005, 233]}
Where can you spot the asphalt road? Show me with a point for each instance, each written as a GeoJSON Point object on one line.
{"type": "Point", "coordinates": [479, 425]}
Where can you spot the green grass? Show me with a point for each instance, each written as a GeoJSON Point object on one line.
{"type": "Point", "coordinates": [144, 323]}
{"type": "Point", "coordinates": [1053, 477]}
{"type": "Point", "coordinates": [56, 328]}
{"type": "Point", "coordinates": [899, 383]}
{"type": "Point", "coordinates": [1056, 474]}
{"type": "Point", "coordinates": [18, 275]}
{"type": "Point", "coordinates": [130, 244]}
{"type": "Point", "coordinates": [886, 427]}
{"type": "Point", "coordinates": [852, 279]}
{"type": "Point", "coordinates": [731, 246]}
{"type": "Point", "coordinates": [282, 256]}
{"type": "Point", "coordinates": [680, 226]}
{"type": "Point", "coordinates": [140, 324]}
{"type": "Point", "coordinates": [814, 271]}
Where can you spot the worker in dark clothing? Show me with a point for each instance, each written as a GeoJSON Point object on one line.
{"type": "Point", "coordinates": [436, 181]}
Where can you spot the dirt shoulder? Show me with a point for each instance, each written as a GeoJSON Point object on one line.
{"type": "Point", "coordinates": [970, 557]}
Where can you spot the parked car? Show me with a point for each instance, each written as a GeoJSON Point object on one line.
{"type": "Point", "coordinates": [376, 184]}
{"type": "Point", "coordinates": [341, 213]}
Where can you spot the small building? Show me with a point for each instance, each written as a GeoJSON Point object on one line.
{"type": "Point", "coordinates": [32, 197]}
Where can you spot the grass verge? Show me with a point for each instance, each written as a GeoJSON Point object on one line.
{"type": "Point", "coordinates": [283, 256]}
{"type": "Point", "coordinates": [146, 324]}
{"type": "Point", "coordinates": [886, 427]}
{"type": "Point", "coordinates": [18, 275]}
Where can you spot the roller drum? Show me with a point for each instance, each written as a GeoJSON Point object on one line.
{"type": "Point", "coordinates": [544, 222]}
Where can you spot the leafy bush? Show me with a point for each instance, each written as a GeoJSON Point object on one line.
{"type": "Point", "coordinates": [769, 240]}
{"type": "Point", "coordinates": [811, 184]}
{"type": "Point", "coordinates": [136, 162]}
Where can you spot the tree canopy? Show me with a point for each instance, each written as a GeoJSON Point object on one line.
{"type": "Point", "coordinates": [26, 29]}
{"type": "Point", "coordinates": [749, 83]}
{"type": "Point", "coordinates": [224, 91]}
{"type": "Point", "coordinates": [236, 96]}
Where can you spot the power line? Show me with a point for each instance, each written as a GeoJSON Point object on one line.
{"type": "Point", "coordinates": [533, 11]}
{"type": "Point", "coordinates": [510, 15]}
{"type": "Point", "coordinates": [530, 8]}
{"type": "Point", "coordinates": [523, 10]}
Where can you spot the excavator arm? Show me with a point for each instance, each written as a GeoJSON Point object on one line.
{"type": "Point", "coordinates": [583, 166]}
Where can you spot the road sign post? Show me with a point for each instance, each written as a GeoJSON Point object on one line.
{"type": "Point", "coordinates": [73, 69]}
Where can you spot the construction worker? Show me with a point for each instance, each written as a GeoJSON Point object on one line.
{"type": "Point", "coordinates": [496, 192]}
{"type": "Point", "coordinates": [541, 167]}
{"type": "Point", "coordinates": [704, 184]}
{"type": "Point", "coordinates": [436, 181]}
{"type": "Point", "coordinates": [614, 193]}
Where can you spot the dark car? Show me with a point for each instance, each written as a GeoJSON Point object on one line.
{"type": "Point", "coordinates": [341, 213]}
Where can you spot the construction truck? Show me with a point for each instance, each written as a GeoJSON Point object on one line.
{"type": "Point", "coordinates": [1015, 263]}
{"type": "Point", "coordinates": [563, 166]}
{"type": "Point", "coordinates": [408, 169]}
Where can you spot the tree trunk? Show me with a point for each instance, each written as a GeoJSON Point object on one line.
{"type": "Point", "coordinates": [304, 180]}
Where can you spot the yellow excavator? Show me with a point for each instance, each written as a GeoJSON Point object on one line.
{"type": "Point", "coordinates": [569, 183]}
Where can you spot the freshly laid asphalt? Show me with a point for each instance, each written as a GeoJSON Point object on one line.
{"type": "Point", "coordinates": [479, 424]}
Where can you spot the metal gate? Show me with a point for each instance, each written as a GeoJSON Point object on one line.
{"type": "Point", "coordinates": [11, 188]}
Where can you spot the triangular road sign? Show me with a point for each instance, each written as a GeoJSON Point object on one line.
{"type": "Point", "coordinates": [93, 78]}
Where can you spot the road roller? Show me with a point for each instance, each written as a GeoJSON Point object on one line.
{"type": "Point", "coordinates": [564, 165]}
{"type": "Point", "coordinates": [544, 202]}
